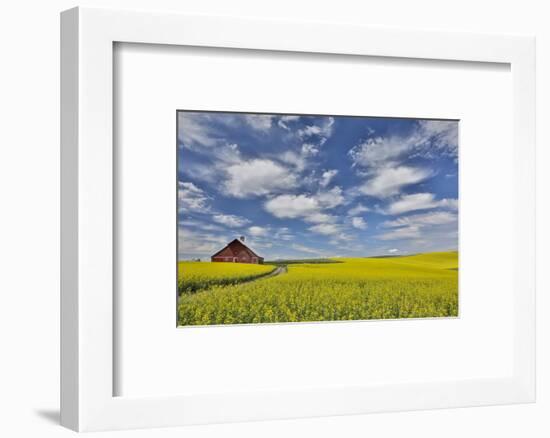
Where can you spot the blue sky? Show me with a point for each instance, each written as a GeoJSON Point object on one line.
{"type": "Point", "coordinates": [316, 186]}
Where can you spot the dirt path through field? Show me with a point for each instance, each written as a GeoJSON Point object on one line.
{"type": "Point", "coordinates": [277, 271]}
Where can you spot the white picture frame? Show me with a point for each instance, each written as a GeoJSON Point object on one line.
{"type": "Point", "coordinates": [87, 343]}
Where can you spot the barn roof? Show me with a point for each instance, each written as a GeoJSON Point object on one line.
{"type": "Point", "coordinates": [239, 242]}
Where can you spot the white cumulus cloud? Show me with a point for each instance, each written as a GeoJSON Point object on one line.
{"type": "Point", "coordinates": [325, 229]}
{"type": "Point", "coordinates": [382, 159]}
{"type": "Point", "coordinates": [292, 206]}
{"type": "Point", "coordinates": [433, 218]}
{"type": "Point", "coordinates": [198, 244]}
{"type": "Point", "coordinates": [309, 149]}
{"type": "Point", "coordinates": [283, 233]}
{"type": "Point", "coordinates": [359, 223]}
{"type": "Point", "coordinates": [194, 130]}
{"type": "Point", "coordinates": [230, 220]}
{"type": "Point", "coordinates": [330, 198]}
{"type": "Point", "coordinates": [310, 208]}
{"type": "Point", "coordinates": [258, 231]}
{"type": "Point", "coordinates": [257, 177]}
{"type": "Point", "coordinates": [284, 121]}
{"type": "Point", "coordinates": [324, 129]}
{"type": "Point", "coordinates": [358, 209]}
{"type": "Point", "coordinates": [416, 201]}
{"type": "Point", "coordinates": [419, 201]}
{"type": "Point", "coordinates": [377, 151]}
{"type": "Point", "coordinates": [438, 223]}
{"type": "Point", "coordinates": [191, 198]}
{"type": "Point", "coordinates": [259, 122]}
{"type": "Point", "coordinates": [327, 177]}
{"type": "Point", "coordinates": [409, 232]}
{"type": "Point", "coordinates": [389, 181]}
{"type": "Point", "coordinates": [298, 161]}
{"type": "Point", "coordinates": [428, 138]}
{"type": "Point", "coordinates": [320, 218]}
{"type": "Point", "coordinates": [439, 134]}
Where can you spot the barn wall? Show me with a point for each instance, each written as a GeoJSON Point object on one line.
{"type": "Point", "coordinates": [222, 259]}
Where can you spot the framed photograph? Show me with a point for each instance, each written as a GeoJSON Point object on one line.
{"type": "Point", "coordinates": [356, 217]}
{"type": "Point", "coordinates": [254, 227]}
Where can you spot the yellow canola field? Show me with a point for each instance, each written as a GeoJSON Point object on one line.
{"type": "Point", "coordinates": [423, 285]}
{"type": "Point", "coordinates": [194, 276]}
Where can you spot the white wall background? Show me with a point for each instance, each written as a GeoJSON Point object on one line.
{"type": "Point", "coordinates": [29, 218]}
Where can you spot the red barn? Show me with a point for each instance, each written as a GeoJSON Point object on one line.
{"type": "Point", "coordinates": [237, 252]}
